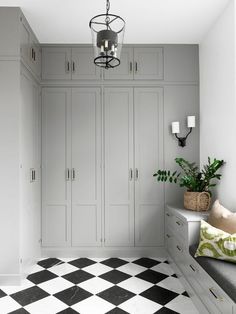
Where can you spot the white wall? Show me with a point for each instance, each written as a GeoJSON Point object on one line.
{"type": "Point", "coordinates": [217, 101]}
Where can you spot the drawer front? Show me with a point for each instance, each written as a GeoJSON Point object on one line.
{"type": "Point", "coordinates": [210, 290]}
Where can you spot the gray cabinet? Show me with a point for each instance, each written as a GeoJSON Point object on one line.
{"type": "Point", "coordinates": [133, 149]}
{"type": "Point", "coordinates": [29, 47]}
{"type": "Point", "coordinates": [138, 64]}
{"type": "Point", "coordinates": [149, 155]}
{"type": "Point", "coordinates": [59, 63]}
{"type": "Point", "coordinates": [119, 182]}
{"type": "Point", "coordinates": [30, 155]}
{"type": "Point", "coordinates": [181, 63]}
{"type": "Point", "coordinates": [71, 167]}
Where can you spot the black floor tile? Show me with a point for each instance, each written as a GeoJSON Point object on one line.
{"type": "Point", "coordinates": [115, 276]}
{"type": "Point", "coordinates": [82, 262]}
{"type": "Point", "coordinates": [117, 310]}
{"type": "Point", "coordinates": [72, 295]}
{"type": "Point", "coordinates": [174, 275]}
{"type": "Point", "coordinates": [146, 262]}
{"type": "Point", "coordinates": [116, 295]}
{"type": "Point", "coordinates": [2, 293]}
{"type": "Point", "coordinates": [49, 262]}
{"type": "Point", "coordinates": [165, 310]}
{"type": "Point", "coordinates": [152, 276]}
{"type": "Point", "coordinates": [185, 293]}
{"type": "Point", "coordinates": [41, 276]}
{"type": "Point", "coordinates": [78, 276]}
{"type": "Point", "coordinates": [30, 295]}
{"type": "Point", "coordinates": [114, 262]}
{"type": "Point", "coordinates": [69, 310]}
{"type": "Point", "coordinates": [159, 295]}
{"type": "Point", "coordinates": [19, 311]}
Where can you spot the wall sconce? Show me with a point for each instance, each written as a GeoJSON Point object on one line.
{"type": "Point", "coordinates": [175, 130]}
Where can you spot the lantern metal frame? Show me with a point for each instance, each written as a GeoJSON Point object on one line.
{"type": "Point", "coordinates": [107, 38]}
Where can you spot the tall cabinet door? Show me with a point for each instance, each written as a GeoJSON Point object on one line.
{"type": "Point", "coordinates": [119, 184]}
{"type": "Point", "coordinates": [56, 162]}
{"type": "Point", "coordinates": [86, 167]}
{"type": "Point", "coordinates": [149, 196]}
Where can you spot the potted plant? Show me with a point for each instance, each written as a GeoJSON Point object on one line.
{"type": "Point", "coordinates": [198, 182]}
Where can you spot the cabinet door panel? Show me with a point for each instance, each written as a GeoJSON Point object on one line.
{"type": "Point", "coordinates": [119, 205]}
{"type": "Point", "coordinates": [125, 69]}
{"type": "Point", "coordinates": [83, 66]}
{"type": "Point", "coordinates": [149, 196]}
{"type": "Point", "coordinates": [86, 162]}
{"type": "Point", "coordinates": [56, 64]}
{"type": "Point", "coordinates": [148, 63]}
{"type": "Point", "coordinates": [56, 193]}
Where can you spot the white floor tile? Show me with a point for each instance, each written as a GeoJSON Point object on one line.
{"type": "Point", "coordinates": [95, 285]}
{"type": "Point", "coordinates": [131, 269]}
{"type": "Point", "coordinates": [172, 284]}
{"type": "Point", "coordinates": [48, 305]}
{"type": "Point", "coordinates": [13, 289]}
{"type": "Point", "coordinates": [93, 305]}
{"type": "Point", "coordinates": [35, 268]}
{"type": "Point", "coordinates": [140, 305]}
{"type": "Point", "coordinates": [62, 269]}
{"type": "Point", "coordinates": [97, 269]}
{"type": "Point", "coordinates": [7, 305]}
{"type": "Point", "coordinates": [163, 268]}
{"type": "Point", "coordinates": [135, 285]}
{"type": "Point", "coordinates": [55, 285]}
{"type": "Point", "coordinates": [183, 305]}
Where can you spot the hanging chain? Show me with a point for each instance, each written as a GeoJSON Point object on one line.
{"type": "Point", "coordinates": [108, 6]}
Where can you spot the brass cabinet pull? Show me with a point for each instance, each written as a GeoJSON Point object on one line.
{"type": "Point", "coordinates": [136, 174]}
{"type": "Point", "coordinates": [130, 174]}
{"type": "Point", "coordinates": [178, 223]}
{"type": "Point", "coordinates": [215, 295]}
{"type": "Point", "coordinates": [131, 67]}
{"type": "Point", "coordinates": [67, 66]}
{"type": "Point", "coordinates": [193, 268]}
{"type": "Point", "coordinates": [73, 174]}
{"type": "Point", "coordinates": [73, 66]}
{"type": "Point", "coordinates": [67, 174]}
{"type": "Point", "coordinates": [136, 67]}
{"type": "Point", "coordinates": [179, 248]}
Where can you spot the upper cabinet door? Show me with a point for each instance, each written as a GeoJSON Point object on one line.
{"type": "Point", "coordinates": [82, 64]}
{"type": "Point", "coordinates": [56, 63]}
{"type": "Point", "coordinates": [149, 201]}
{"type": "Point", "coordinates": [125, 69]}
{"type": "Point", "coordinates": [86, 166]}
{"type": "Point", "coordinates": [181, 63]}
{"type": "Point", "coordinates": [56, 165]}
{"type": "Point", "coordinates": [148, 63]}
{"type": "Point", "coordinates": [119, 184]}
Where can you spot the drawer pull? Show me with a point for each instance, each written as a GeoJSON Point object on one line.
{"type": "Point", "coordinates": [215, 295]}
{"type": "Point", "coordinates": [179, 248]}
{"type": "Point", "coordinates": [178, 223]}
{"type": "Point", "coordinates": [193, 268]}
{"type": "Point", "coordinates": [167, 214]}
{"type": "Point", "coordinates": [168, 236]}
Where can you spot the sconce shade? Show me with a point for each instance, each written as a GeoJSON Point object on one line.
{"type": "Point", "coordinates": [175, 127]}
{"type": "Point", "coordinates": [191, 121]}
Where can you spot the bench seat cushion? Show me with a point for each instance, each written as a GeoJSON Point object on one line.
{"type": "Point", "coordinates": [224, 273]}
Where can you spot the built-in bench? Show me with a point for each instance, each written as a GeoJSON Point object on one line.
{"type": "Point", "coordinates": [223, 273]}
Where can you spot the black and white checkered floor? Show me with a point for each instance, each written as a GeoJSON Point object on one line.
{"type": "Point", "coordinates": [98, 286]}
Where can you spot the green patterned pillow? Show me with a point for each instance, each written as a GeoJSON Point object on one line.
{"type": "Point", "coordinates": [216, 243]}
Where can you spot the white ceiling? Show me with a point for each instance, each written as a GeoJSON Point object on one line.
{"type": "Point", "coordinates": [147, 21]}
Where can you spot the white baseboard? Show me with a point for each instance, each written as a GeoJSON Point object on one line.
{"type": "Point", "coordinates": [104, 252]}
{"type": "Point", "coordinates": [10, 279]}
